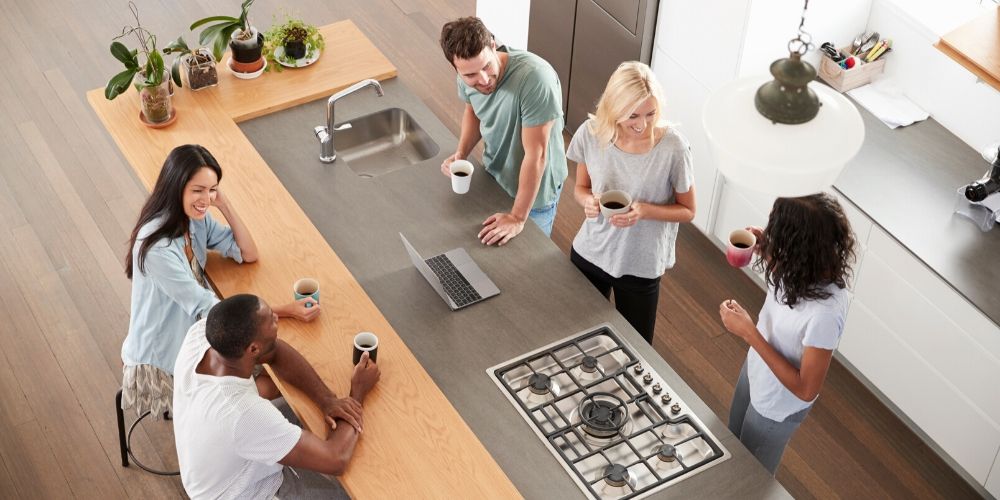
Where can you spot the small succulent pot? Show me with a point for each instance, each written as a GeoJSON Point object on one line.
{"type": "Point", "coordinates": [296, 49]}
{"type": "Point", "coordinates": [249, 49]}
{"type": "Point", "coordinates": [200, 69]}
{"type": "Point", "coordinates": [155, 101]}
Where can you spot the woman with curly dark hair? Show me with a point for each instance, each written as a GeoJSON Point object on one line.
{"type": "Point", "coordinates": [805, 253]}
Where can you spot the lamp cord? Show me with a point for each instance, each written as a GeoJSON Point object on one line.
{"type": "Point", "coordinates": [802, 43]}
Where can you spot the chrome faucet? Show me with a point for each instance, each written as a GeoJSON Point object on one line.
{"type": "Point", "coordinates": [328, 152]}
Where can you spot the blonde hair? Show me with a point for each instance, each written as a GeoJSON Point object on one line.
{"type": "Point", "coordinates": [631, 84]}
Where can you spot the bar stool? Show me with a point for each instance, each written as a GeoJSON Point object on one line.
{"type": "Point", "coordinates": [125, 440]}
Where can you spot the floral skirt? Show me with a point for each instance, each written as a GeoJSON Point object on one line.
{"type": "Point", "coordinates": [147, 388]}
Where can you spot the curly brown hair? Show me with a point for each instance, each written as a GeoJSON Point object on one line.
{"type": "Point", "coordinates": [464, 38]}
{"type": "Point", "coordinates": [807, 245]}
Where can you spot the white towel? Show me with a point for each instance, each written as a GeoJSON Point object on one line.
{"type": "Point", "coordinates": [888, 104]}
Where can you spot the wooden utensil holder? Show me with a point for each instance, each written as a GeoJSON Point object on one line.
{"type": "Point", "coordinates": [846, 79]}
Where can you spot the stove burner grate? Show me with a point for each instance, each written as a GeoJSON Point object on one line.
{"type": "Point", "coordinates": [603, 414]}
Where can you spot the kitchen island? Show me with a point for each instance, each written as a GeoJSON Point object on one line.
{"type": "Point", "coordinates": [543, 298]}
{"type": "Point", "coordinates": [435, 426]}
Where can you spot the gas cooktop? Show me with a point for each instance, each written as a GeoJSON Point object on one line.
{"type": "Point", "coordinates": [610, 420]}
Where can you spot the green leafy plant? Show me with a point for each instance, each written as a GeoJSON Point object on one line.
{"type": "Point", "coordinates": [291, 30]}
{"type": "Point", "coordinates": [218, 34]}
{"type": "Point", "coordinates": [151, 68]}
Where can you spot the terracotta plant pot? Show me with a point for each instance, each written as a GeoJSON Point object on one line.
{"type": "Point", "coordinates": [249, 67]}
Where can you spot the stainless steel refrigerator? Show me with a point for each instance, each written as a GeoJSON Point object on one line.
{"type": "Point", "coordinates": [585, 40]}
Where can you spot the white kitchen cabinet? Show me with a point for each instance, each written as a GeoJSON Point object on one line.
{"type": "Point", "coordinates": [738, 208]}
{"type": "Point", "coordinates": [697, 49]}
{"type": "Point", "coordinates": [685, 114]}
{"type": "Point", "coordinates": [704, 38]}
{"type": "Point", "coordinates": [929, 351]}
{"type": "Point", "coordinates": [993, 482]}
{"type": "Point", "coordinates": [507, 20]}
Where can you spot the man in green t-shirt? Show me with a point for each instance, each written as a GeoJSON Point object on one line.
{"type": "Point", "coordinates": [513, 102]}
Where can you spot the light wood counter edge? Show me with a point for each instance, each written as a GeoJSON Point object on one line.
{"type": "Point", "coordinates": [413, 433]}
{"type": "Point", "coordinates": [964, 44]}
{"type": "Point", "coordinates": [974, 68]}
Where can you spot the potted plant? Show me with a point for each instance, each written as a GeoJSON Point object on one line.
{"type": "Point", "coordinates": [243, 39]}
{"type": "Point", "coordinates": [148, 75]}
{"type": "Point", "coordinates": [199, 65]}
{"type": "Point", "coordinates": [292, 41]}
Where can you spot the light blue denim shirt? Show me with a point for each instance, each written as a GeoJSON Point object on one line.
{"type": "Point", "coordinates": [166, 299]}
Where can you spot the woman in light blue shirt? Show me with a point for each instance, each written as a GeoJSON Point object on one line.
{"type": "Point", "coordinates": [167, 254]}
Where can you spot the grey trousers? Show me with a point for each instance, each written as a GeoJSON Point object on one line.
{"type": "Point", "coordinates": [302, 484]}
{"type": "Point", "coordinates": [765, 438]}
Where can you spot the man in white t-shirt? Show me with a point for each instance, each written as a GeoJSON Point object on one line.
{"type": "Point", "coordinates": [232, 442]}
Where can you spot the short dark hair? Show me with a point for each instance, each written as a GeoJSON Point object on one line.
{"type": "Point", "coordinates": [464, 38]}
{"type": "Point", "coordinates": [232, 325]}
{"type": "Point", "coordinates": [807, 244]}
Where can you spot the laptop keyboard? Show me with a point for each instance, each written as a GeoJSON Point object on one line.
{"type": "Point", "coordinates": [455, 285]}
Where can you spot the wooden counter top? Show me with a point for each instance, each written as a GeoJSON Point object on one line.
{"type": "Point", "coordinates": [976, 46]}
{"type": "Point", "coordinates": [415, 442]}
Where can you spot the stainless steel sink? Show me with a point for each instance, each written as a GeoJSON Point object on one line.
{"type": "Point", "coordinates": [382, 142]}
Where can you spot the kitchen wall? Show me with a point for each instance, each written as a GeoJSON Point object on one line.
{"type": "Point", "coordinates": [968, 108]}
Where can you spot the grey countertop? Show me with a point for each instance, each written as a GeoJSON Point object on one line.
{"type": "Point", "coordinates": [543, 296]}
{"type": "Point", "coordinates": [905, 180]}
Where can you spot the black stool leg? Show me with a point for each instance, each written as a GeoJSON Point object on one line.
{"type": "Point", "coordinates": [128, 448]}
{"type": "Point", "coordinates": [125, 440]}
{"type": "Point", "coordinates": [121, 428]}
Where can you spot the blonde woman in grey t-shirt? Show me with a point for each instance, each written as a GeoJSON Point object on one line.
{"type": "Point", "coordinates": [626, 145]}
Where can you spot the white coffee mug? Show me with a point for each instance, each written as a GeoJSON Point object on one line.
{"type": "Point", "coordinates": [620, 202]}
{"type": "Point", "coordinates": [461, 175]}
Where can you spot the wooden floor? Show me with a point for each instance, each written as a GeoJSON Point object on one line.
{"type": "Point", "coordinates": [68, 200]}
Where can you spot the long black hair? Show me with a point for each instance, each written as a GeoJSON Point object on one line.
{"type": "Point", "coordinates": [167, 199]}
{"type": "Point", "coordinates": [807, 245]}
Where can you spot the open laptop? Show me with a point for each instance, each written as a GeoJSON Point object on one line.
{"type": "Point", "coordinates": [454, 276]}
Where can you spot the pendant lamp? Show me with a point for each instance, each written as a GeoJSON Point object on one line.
{"type": "Point", "coordinates": [787, 135]}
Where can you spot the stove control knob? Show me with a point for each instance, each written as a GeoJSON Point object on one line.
{"type": "Point", "coordinates": [648, 378]}
{"type": "Point", "coordinates": [675, 409]}
{"type": "Point", "coordinates": [665, 399]}
{"type": "Point", "coordinates": [657, 389]}
{"type": "Point", "coordinates": [638, 369]}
